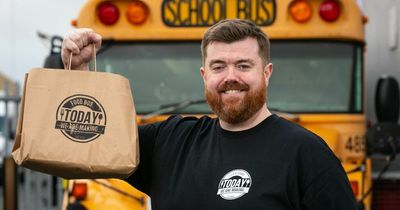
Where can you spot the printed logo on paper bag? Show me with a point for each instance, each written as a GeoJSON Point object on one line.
{"type": "Point", "coordinates": [81, 118]}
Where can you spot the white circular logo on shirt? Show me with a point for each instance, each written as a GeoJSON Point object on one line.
{"type": "Point", "coordinates": [234, 184]}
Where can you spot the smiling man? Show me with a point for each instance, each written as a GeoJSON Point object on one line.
{"type": "Point", "coordinates": [247, 158]}
{"type": "Point", "coordinates": [235, 78]}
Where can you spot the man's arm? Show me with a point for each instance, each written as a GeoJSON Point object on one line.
{"type": "Point", "coordinates": [141, 178]}
{"type": "Point", "coordinates": [329, 190]}
{"type": "Point", "coordinates": [325, 183]}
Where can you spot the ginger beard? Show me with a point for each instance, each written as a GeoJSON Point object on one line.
{"type": "Point", "coordinates": [234, 110]}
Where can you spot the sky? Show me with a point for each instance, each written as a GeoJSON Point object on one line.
{"type": "Point", "coordinates": [20, 20]}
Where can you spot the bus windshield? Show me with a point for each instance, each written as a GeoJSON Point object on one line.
{"type": "Point", "coordinates": [312, 77]}
{"type": "Point", "coordinates": [316, 77]}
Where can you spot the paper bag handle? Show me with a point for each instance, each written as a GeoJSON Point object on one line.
{"type": "Point", "coordinates": [93, 56]}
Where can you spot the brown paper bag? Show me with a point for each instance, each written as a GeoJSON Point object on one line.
{"type": "Point", "coordinates": [77, 124]}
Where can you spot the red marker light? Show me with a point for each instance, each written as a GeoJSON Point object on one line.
{"type": "Point", "coordinates": [108, 13]}
{"type": "Point", "coordinates": [354, 187]}
{"type": "Point", "coordinates": [329, 10]}
{"type": "Point", "coordinates": [79, 190]}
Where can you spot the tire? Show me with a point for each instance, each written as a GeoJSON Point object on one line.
{"type": "Point", "coordinates": [76, 206]}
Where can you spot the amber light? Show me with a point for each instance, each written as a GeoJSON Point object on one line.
{"type": "Point", "coordinates": [329, 10]}
{"type": "Point", "coordinates": [300, 10]}
{"type": "Point", "coordinates": [137, 12]}
{"type": "Point", "coordinates": [74, 23]}
{"type": "Point", "coordinates": [107, 13]}
{"type": "Point", "coordinates": [354, 187]}
{"type": "Point", "coordinates": [79, 190]}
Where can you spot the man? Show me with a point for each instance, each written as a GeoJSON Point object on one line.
{"type": "Point", "coordinates": [248, 158]}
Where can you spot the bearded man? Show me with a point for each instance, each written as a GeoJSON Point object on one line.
{"type": "Point", "coordinates": [247, 158]}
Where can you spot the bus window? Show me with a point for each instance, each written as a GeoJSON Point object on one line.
{"type": "Point", "coordinates": [160, 73]}
{"type": "Point", "coordinates": [305, 77]}
{"type": "Point", "coordinates": [314, 77]}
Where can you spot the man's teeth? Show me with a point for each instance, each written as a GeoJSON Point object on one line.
{"type": "Point", "coordinates": [232, 91]}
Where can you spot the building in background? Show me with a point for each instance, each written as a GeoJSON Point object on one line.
{"type": "Point", "coordinates": [383, 58]}
{"type": "Point", "coordinates": [383, 50]}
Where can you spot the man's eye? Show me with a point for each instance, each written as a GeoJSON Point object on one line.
{"type": "Point", "coordinates": [217, 68]}
{"type": "Point", "coordinates": [243, 66]}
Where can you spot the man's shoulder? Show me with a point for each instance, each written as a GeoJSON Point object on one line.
{"type": "Point", "coordinates": [179, 122]}
{"type": "Point", "coordinates": [299, 135]}
{"type": "Point", "coordinates": [188, 121]}
{"type": "Point", "coordinates": [293, 129]}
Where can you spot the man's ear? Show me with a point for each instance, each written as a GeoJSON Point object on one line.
{"type": "Point", "coordinates": [268, 69]}
{"type": "Point", "coordinates": [202, 72]}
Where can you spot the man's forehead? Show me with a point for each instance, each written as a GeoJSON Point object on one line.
{"type": "Point", "coordinates": [244, 49]}
{"type": "Point", "coordinates": [247, 41]}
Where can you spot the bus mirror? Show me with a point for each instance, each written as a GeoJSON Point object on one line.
{"type": "Point", "coordinates": [387, 102]}
{"type": "Point", "coordinates": [384, 136]}
{"type": "Point", "coordinates": [53, 60]}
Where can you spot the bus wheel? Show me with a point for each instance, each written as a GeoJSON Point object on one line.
{"type": "Point", "coordinates": [76, 206]}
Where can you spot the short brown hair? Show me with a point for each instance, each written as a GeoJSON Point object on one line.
{"type": "Point", "coordinates": [231, 30]}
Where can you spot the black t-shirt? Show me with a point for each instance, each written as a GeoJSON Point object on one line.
{"type": "Point", "coordinates": [189, 163]}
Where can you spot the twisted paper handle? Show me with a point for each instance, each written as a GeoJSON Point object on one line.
{"type": "Point", "coordinates": [94, 59]}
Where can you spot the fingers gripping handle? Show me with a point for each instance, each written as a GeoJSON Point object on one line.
{"type": "Point", "coordinates": [94, 59]}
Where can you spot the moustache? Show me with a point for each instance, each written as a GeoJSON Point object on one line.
{"type": "Point", "coordinates": [232, 85]}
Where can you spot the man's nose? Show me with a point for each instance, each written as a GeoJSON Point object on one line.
{"type": "Point", "coordinates": [231, 75]}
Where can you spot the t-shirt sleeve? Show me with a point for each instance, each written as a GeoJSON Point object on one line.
{"type": "Point", "coordinates": [149, 134]}
{"type": "Point", "coordinates": [325, 183]}
{"type": "Point", "coordinates": [141, 178]}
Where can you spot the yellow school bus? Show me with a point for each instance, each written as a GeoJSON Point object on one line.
{"type": "Point", "coordinates": [317, 48]}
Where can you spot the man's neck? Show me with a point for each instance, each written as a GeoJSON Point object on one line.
{"type": "Point", "coordinates": [256, 119]}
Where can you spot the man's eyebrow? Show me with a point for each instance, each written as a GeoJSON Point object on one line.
{"type": "Point", "coordinates": [245, 61]}
{"type": "Point", "coordinates": [217, 61]}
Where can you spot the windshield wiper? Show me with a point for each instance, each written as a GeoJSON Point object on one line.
{"type": "Point", "coordinates": [168, 108]}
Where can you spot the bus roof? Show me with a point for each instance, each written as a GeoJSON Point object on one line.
{"type": "Point", "coordinates": [188, 19]}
